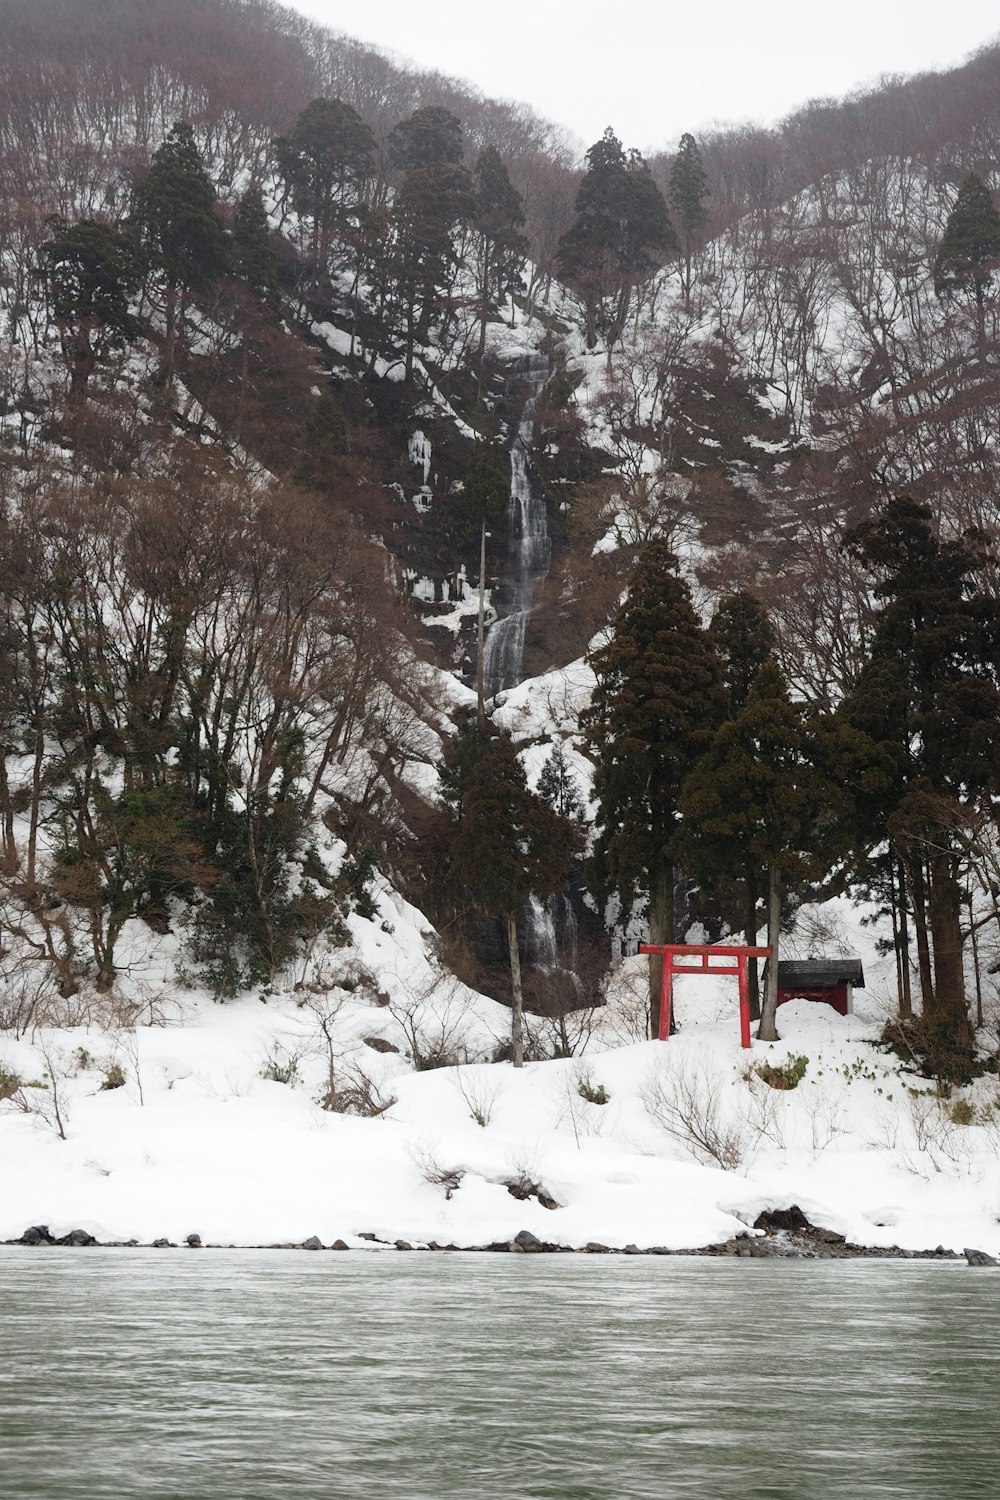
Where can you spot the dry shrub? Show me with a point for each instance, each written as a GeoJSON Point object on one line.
{"type": "Point", "coordinates": [480, 1090]}
{"type": "Point", "coordinates": [424, 1155]}
{"type": "Point", "coordinates": [356, 1093]}
{"type": "Point", "coordinates": [685, 1101]}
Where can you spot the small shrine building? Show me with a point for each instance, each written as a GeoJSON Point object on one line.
{"type": "Point", "coordinates": [832, 980]}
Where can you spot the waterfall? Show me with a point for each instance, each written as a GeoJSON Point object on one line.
{"type": "Point", "coordinates": [550, 950]}
{"type": "Point", "coordinates": [550, 930]}
{"type": "Point", "coordinates": [529, 553]}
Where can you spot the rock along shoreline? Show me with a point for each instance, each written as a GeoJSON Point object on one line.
{"type": "Point", "coordinates": [783, 1234]}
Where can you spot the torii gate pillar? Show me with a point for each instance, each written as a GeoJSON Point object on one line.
{"type": "Point", "coordinates": [704, 959]}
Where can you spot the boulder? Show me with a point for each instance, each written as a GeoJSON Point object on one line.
{"type": "Point", "coordinates": [528, 1242]}
{"type": "Point", "coordinates": [194, 1241]}
{"type": "Point", "coordinates": [77, 1237]}
{"type": "Point", "coordinates": [979, 1258]}
{"type": "Point", "coordinates": [774, 1219]}
{"type": "Point", "coordinates": [340, 1245]}
{"type": "Point", "coordinates": [38, 1234]}
{"type": "Point", "coordinates": [312, 1243]}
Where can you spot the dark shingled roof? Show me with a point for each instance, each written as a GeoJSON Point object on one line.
{"type": "Point", "coordinates": [820, 973]}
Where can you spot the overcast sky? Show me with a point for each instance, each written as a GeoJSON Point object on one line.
{"type": "Point", "coordinates": [654, 68]}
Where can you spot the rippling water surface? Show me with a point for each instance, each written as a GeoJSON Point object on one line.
{"type": "Point", "coordinates": [245, 1375]}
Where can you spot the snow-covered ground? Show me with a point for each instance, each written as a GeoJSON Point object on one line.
{"type": "Point", "coordinates": [197, 1139]}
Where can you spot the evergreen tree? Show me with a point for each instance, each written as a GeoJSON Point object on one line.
{"type": "Point", "coordinates": [507, 844]}
{"type": "Point", "coordinates": [755, 800]}
{"type": "Point", "coordinates": [326, 159]}
{"type": "Point", "coordinates": [620, 236]}
{"type": "Point", "coordinates": [253, 259]}
{"type": "Point", "coordinates": [745, 639]}
{"type": "Point", "coordinates": [499, 215]}
{"type": "Point", "coordinates": [687, 192]}
{"type": "Point", "coordinates": [89, 268]}
{"type": "Point", "coordinates": [656, 703]}
{"type": "Point", "coordinates": [558, 787]}
{"type": "Point", "coordinates": [742, 634]}
{"type": "Point", "coordinates": [929, 698]}
{"type": "Point", "coordinates": [430, 137]}
{"type": "Point", "coordinates": [177, 226]}
{"type": "Point", "coordinates": [969, 252]}
{"type": "Point", "coordinates": [434, 197]}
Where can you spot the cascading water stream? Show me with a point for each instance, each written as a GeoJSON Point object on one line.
{"type": "Point", "coordinates": [550, 928]}
{"type": "Point", "coordinates": [550, 938]}
{"type": "Point", "coordinates": [530, 549]}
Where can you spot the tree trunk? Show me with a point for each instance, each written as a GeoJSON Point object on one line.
{"type": "Point", "coordinates": [975, 964]}
{"type": "Point", "coordinates": [767, 1031]}
{"type": "Point", "coordinates": [923, 945]}
{"type": "Point", "coordinates": [750, 938]}
{"type": "Point", "coordinates": [170, 330]}
{"type": "Point", "coordinates": [9, 858]}
{"type": "Point", "coordinates": [905, 992]}
{"type": "Point", "coordinates": [481, 631]}
{"type": "Point", "coordinates": [661, 930]}
{"type": "Point", "coordinates": [484, 311]}
{"type": "Point", "coordinates": [517, 1007]}
{"type": "Point", "coordinates": [945, 912]}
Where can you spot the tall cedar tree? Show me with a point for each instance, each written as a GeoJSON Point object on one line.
{"type": "Point", "coordinates": [930, 698]}
{"type": "Point", "coordinates": [687, 192]}
{"type": "Point", "coordinates": [178, 228]}
{"type": "Point", "coordinates": [756, 799]}
{"type": "Point", "coordinates": [507, 844]}
{"type": "Point", "coordinates": [969, 252]}
{"type": "Point", "coordinates": [499, 215]}
{"type": "Point", "coordinates": [483, 502]}
{"type": "Point", "coordinates": [657, 701]}
{"type": "Point", "coordinates": [254, 260]}
{"type": "Point", "coordinates": [620, 236]}
{"type": "Point", "coordinates": [434, 197]}
{"type": "Point", "coordinates": [89, 269]}
{"type": "Point", "coordinates": [742, 634]}
{"type": "Point", "coordinates": [559, 788]}
{"type": "Point", "coordinates": [326, 159]}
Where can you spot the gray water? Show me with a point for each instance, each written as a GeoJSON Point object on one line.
{"type": "Point", "coordinates": [247, 1375]}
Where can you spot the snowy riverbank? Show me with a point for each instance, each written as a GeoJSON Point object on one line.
{"type": "Point", "coordinates": [687, 1148]}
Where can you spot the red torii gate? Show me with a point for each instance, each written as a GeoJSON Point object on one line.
{"type": "Point", "coordinates": [735, 962]}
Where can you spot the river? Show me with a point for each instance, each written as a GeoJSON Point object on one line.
{"type": "Point", "coordinates": [245, 1375]}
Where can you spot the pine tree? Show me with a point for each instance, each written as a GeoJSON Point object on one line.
{"type": "Point", "coordinates": [755, 799]}
{"type": "Point", "coordinates": [687, 192]}
{"type": "Point", "coordinates": [558, 787]}
{"type": "Point", "coordinates": [742, 634]}
{"type": "Point", "coordinates": [177, 226]}
{"type": "Point", "coordinates": [253, 259]}
{"type": "Point", "coordinates": [89, 268]}
{"type": "Point", "coordinates": [656, 703]}
{"type": "Point", "coordinates": [326, 159]}
{"type": "Point", "coordinates": [970, 246]}
{"type": "Point", "coordinates": [929, 698]}
{"type": "Point", "coordinates": [499, 215]}
{"type": "Point", "coordinates": [434, 197]}
{"type": "Point", "coordinates": [620, 236]}
{"type": "Point", "coordinates": [507, 844]}
{"type": "Point", "coordinates": [745, 639]}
